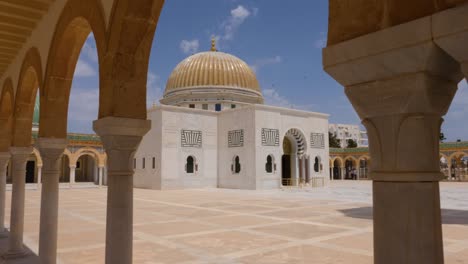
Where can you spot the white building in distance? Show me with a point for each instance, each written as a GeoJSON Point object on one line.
{"type": "Point", "coordinates": [344, 132]}
{"type": "Point", "coordinates": [212, 130]}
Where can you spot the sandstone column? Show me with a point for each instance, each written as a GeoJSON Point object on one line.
{"type": "Point", "coordinates": [121, 138]}
{"type": "Point", "coordinates": [307, 170]}
{"type": "Point", "coordinates": [401, 84]}
{"type": "Point", "coordinates": [51, 150]}
{"type": "Point", "coordinates": [301, 170]}
{"type": "Point", "coordinates": [72, 174]}
{"type": "Point", "coordinates": [19, 158]}
{"type": "Point", "coordinates": [100, 175]}
{"type": "Point", "coordinates": [39, 176]}
{"type": "Point", "coordinates": [4, 159]}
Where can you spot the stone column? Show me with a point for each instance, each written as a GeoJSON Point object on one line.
{"type": "Point", "coordinates": [294, 170]}
{"type": "Point", "coordinates": [401, 84]}
{"type": "Point", "coordinates": [4, 159]}
{"type": "Point", "coordinates": [100, 175]}
{"type": "Point", "coordinates": [51, 150]}
{"type": "Point", "coordinates": [19, 158]}
{"type": "Point", "coordinates": [301, 170]}
{"type": "Point", "coordinates": [121, 138]}
{"type": "Point", "coordinates": [307, 170]}
{"type": "Point", "coordinates": [72, 174]}
{"type": "Point", "coordinates": [39, 176]}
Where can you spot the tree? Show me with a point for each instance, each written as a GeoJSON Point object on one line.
{"type": "Point", "coordinates": [442, 137]}
{"type": "Point", "coordinates": [333, 142]}
{"type": "Point", "coordinates": [351, 143]}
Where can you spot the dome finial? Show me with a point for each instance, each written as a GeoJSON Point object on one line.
{"type": "Point", "coordinates": [213, 44]}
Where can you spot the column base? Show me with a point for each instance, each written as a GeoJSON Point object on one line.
{"type": "Point", "coordinates": [13, 254]}
{"type": "Point", "coordinates": [4, 233]}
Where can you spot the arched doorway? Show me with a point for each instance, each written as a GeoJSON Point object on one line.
{"type": "Point", "coordinates": [458, 165]}
{"type": "Point", "coordinates": [337, 172]}
{"type": "Point", "coordinates": [350, 169]}
{"type": "Point", "coordinates": [86, 169]}
{"type": "Point", "coordinates": [364, 163]}
{"type": "Point", "coordinates": [293, 160]}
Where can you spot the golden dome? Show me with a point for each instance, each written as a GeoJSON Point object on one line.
{"type": "Point", "coordinates": [212, 69]}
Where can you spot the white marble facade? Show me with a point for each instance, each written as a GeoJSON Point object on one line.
{"type": "Point", "coordinates": [175, 136]}
{"type": "Point", "coordinates": [212, 130]}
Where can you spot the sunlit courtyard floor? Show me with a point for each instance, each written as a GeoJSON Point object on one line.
{"type": "Point", "coordinates": [328, 225]}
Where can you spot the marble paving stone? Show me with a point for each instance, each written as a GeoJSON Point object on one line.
{"type": "Point", "coordinates": [218, 226]}
{"type": "Point", "coordinates": [306, 254]}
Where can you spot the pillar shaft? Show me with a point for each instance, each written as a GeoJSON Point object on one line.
{"type": "Point", "coordinates": [19, 158]}
{"type": "Point", "coordinates": [401, 85]}
{"type": "Point", "coordinates": [72, 174]}
{"type": "Point", "coordinates": [100, 175]}
{"type": "Point", "coordinates": [39, 175]}
{"type": "Point", "coordinates": [307, 170]}
{"type": "Point", "coordinates": [121, 138]}
{"type": "Point", "coordinates": [4, 159]}
{"type": "Point", "coordinates": [301, 170]}
{"type": "Point", "coordinates": [51, 151]}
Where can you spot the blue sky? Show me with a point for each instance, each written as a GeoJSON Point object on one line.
{"type": "Point", "coordinates": [281, 43]}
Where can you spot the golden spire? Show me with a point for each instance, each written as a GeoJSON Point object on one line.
{"type": "Point", "coordinates": [213, 44]}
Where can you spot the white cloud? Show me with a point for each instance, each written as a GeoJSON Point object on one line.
{"type": "Point", "coordinates": [154, 89]}
{"type": "Point", "coordinates": [84, 69]}
{"type": "Point", "coordinates": [258, 64]}
{"type": "Point", "coordinates": [272, 97]}
{"type": "Point", "coordinates": [189, 46]}
{"type": "Point", "coordinates": [231, 24]}
{"type": "Point", "coordinates": [89, 49]}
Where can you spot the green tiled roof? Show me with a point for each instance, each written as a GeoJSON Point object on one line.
{"type": "Point", "coordinates": [78, 137]}
{"type": "Point", "coordinates": [348, 150]}
{"type": "Point", "coordinates": [445, 145]}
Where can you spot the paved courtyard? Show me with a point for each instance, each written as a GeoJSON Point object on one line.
{"type": "Point", "coordinates": [329, 225]}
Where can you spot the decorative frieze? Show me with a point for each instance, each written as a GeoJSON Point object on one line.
{"type": "Point", "coordinates": [236, 138]}
{"type": "Point", "coordinates": [270, 137]}
{"type": "Point", "coordinates": [317, 140]}
{"type": "Point", "coordinates": [191, 139]}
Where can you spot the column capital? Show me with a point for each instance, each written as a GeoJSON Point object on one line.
{"type": "Point", "coordinates": [51, 150]}
{"type": "Point", "coordinates": [121, 138]}
{"type": "Point", "coordinates": [72, 166]}
{"type": "Point", "coordinates": [21, 152]}
{"type": "Point", "coordinates": [401, 84]}
{"type": "Point", "coordinates": [4, 159]}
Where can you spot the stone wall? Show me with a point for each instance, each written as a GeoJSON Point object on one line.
{"type": "Point", "coordinates": [349, 19]}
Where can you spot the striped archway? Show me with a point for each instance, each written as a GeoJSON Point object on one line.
{"type": "Point", "coordinates": [298, 137]}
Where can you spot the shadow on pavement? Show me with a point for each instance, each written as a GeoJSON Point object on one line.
{"type": "Point", "coordinates": [449, 216]}
{"type": "Point", "coordinates": [30, 258]}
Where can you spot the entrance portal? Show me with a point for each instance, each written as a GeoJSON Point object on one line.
{"type": "Point", "coordinates": [294, 148]}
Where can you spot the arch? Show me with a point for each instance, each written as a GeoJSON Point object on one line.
{"type": "Point", "coordinates": [88, 151]}
{"type": "Point", "coordinates": [338, 162]}
{"type": "Point", "coordinates": [7, 100]}
{"type": "Point", "coordinates": [353, 159]}
{"type": "Point", "coordinates": [131, 30]}
{"type": "Point", "coordinates": [38, 156]}
{"type": "Point", "coordinates": [457, 154]}
{"type": "Point", "coordinates": [78, 19]}
{"type": "Point", "coordinates": [298, 140]}
{"type": "Point", "coordinates": [29, 81]}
